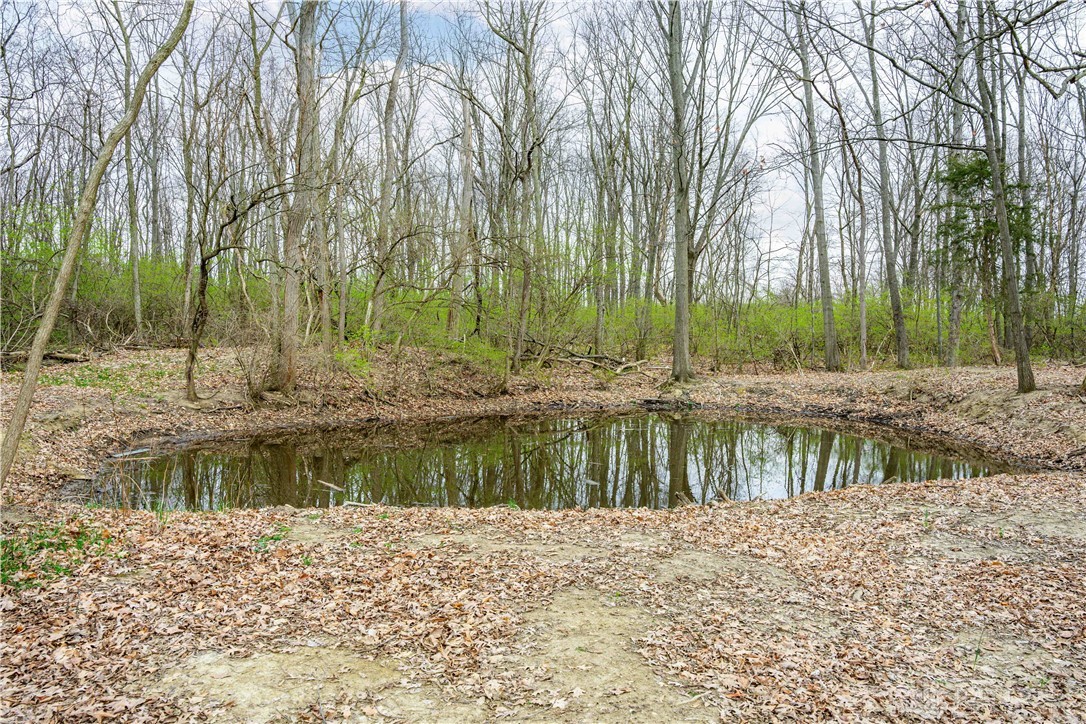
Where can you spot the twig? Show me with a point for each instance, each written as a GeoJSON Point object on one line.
{"type": "Point", "coordinates": [130, 453]}
{"type": "Point", "coordinates": [692, 699]}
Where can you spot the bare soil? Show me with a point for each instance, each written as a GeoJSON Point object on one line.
{"type": "Point", "coordinates": [267, 687]}
{"type": "Point", "coordinates": [944, 600]}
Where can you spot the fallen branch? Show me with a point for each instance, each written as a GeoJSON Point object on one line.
{"type": "Point", "coordinates": [575, 360]}
{"type": "Point", "coordinates": [22, 356]}
{"type": "Point", "coordinates": [617, 367]}
{"type": "Point", "coordinates": [630, 366]}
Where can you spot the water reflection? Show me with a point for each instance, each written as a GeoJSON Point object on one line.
{"type": "Point", "coordinates": [647, 461]}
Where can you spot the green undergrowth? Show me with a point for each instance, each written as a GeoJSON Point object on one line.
{"type": "Point", "coordinates": [132, 377]}
{"type": "Point", "coordinates": [776, 326]}
{"type": "Point", "coordinates": [32, 557]}
{"type": "Point", "coordinates": [767, 332]}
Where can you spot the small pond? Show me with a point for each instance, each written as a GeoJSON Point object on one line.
{"type": "Point", "coordinates": [653, 461]}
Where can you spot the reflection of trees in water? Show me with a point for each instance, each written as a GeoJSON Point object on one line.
{"type": "Point", "coordinates": [678, 483]}
{"type": "Point", "coordinates": [640, 462]}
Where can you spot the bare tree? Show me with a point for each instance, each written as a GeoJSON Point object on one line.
{"type": "Point", "coordinates": [814, 159]}
{"type": "Point", "coordinates": [133, 212]}
{"type": "Point", "coordinates": [672, 26]}
{"type": "Point", "coordinates": [994, 147]}
{"type": "Point", "coordinates": [464, 237]}
{"type": "Point", "coordinates": [901, 338]}
{"type": "Point", "coordinates": [384, 228]}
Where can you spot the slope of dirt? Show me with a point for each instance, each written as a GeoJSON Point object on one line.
{"type": "Point", "coordinates": [974, 407]}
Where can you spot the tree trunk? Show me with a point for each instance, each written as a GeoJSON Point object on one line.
{"type": "Point", "coordinates": [681, 368]}
{"type": "Point", "coordinates": [463, 240]}
{"type": "Point", "coordinates": [196, 329]}
{"type": "Point", "coordinates": [133, 211]}
{"type": "Point", "coordinates": [599, 281]}
{"type": "Point", "coordinates": [324, 283]}
{"type": "Point", "coordinates": [957, 302]}
{"type": "Point", "coordinates": [644, 321]}
{"type": "Point", "coordinates": [1031, 280]}
{"type": "Point", "coordinates": [901, 338]}
{"type": "Point", "coordinates": [301, 206]}
{"type": "Point", "coordinates": [829, 329]}
{"type": "Point", "coordinates": [384, 219]}
{"type": "Point", "coordinates": [341, 253]}
{"type": "Point", "coordinates": [188, 254]}
{"type": "Point", "coordinates": [993, 146]}
{"type": "Point", "coordinates": [157, 250]}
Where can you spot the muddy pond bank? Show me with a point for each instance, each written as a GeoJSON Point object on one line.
{"type": "Point", "coordinates": [944, 600]}
{"type": "Point", "coordinates": [89, 410]}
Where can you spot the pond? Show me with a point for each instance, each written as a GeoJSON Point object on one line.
{"type": "Point", "coordinates": [653, 461]}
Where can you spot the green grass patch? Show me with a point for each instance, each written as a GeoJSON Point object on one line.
{"type": "Point", "coordinates": [45, 553]}
{"type": "Point", "coordinates": [83, 376]}
{"type": "Point", "coordinates": [265, 541]}
{"type": "Point", "coordinates": [133, 377]}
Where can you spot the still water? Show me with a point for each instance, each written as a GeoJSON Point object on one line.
{"type": "Point", "coordinates": [653, 461]}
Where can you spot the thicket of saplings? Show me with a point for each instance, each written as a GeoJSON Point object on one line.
{"type": "Point", "coordinates": [777, 330]}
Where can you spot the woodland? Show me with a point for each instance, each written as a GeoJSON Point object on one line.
{"type": "Point", "coordinates": [223, 220]}
{"type": "Point", "coordinates": [837, 185]}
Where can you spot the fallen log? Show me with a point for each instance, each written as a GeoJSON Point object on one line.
{"type": "Point", "coordinates": [617, 366]}
{"type": "Point", "coordinates": [21, 356]}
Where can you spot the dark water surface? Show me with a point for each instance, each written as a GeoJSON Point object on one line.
{"type": "Point", "coordinates": [653, 461]}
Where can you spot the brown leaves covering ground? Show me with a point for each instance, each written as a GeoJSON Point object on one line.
{"type": "Point", "coordinates": [932, 601]}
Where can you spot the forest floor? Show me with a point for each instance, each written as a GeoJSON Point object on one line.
{"type": "Point", "coordinates": [941, 600]}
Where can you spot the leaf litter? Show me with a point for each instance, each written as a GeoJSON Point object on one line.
{"type": "Point", "coordinates": [938, 601]}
